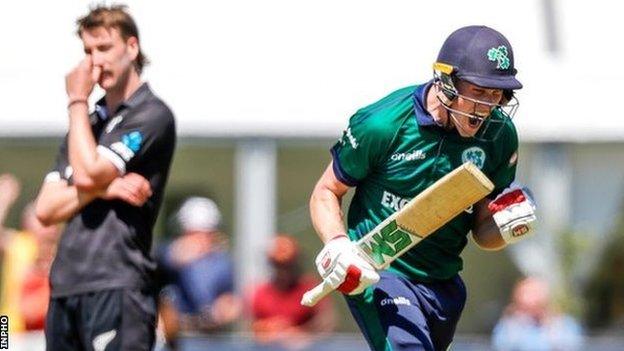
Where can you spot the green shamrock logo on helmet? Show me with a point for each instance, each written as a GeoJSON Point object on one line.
{"type": "Point", "coordinates": [499, 55]}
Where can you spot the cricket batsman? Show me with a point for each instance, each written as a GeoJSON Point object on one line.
{"type": "Point", "coordinates": [107, 184]}
{"type": "Point", "coordinates": [394, 149]}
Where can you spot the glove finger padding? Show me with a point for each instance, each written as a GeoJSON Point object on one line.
{"type": "Point", "coordinates": [351, 280]}
{"type": "Point", "coordinates": [368, 277]}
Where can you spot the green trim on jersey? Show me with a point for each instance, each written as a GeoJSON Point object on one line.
{"type": "Point", "coordinates": [391, 151]}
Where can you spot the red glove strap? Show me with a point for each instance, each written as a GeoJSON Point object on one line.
{"type": "Point", "coordinates": [512, 197]}
{"type": "Point", "coordinates": [352, 280]}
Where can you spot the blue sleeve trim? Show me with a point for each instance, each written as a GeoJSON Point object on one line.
{"type": "Point", "coordinates": [339, 171]}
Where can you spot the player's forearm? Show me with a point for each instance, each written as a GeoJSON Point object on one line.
{"type": "Point", "coordinates": [485, 232]}
{"type": "Point", "coordinates": [57, 202]}
{"type": "Point", "coordinates": [89, 171]}
{"type": "Point", "coordinates": [487, 236]}
{"type": "Point", "coordinates": [326, 214]}
{"type": "Point", "coordinates": [81, 142]}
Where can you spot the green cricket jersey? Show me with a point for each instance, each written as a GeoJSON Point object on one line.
{"type": "Point", "coordinates": [391, 151]}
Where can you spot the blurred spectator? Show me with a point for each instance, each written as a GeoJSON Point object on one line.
{"type": "Point", "coordinates": [27, 255]}
{"type": "Point", "coordinates": [530, 323]}
{"type": "Point", "coordinates": [35, 287]}
{"type": "Point", "coordinates": [278, 317]}
{"type": "Point", "coordinates": [199, 295]}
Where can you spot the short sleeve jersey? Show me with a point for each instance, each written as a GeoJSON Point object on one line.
{"type": "Point", "coordinates": [107, 244]}
{"type": "Point", "coordinates": [391, 151]}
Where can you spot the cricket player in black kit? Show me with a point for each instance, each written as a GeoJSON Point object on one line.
{"type": "Point", "coordinates": [107, 185]}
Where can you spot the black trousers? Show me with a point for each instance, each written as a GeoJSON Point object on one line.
{"type": "Point", "coordinates": [117, 319]}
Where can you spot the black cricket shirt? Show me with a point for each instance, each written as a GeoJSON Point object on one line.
{"type": "Point", "coordinates": [107, 245]}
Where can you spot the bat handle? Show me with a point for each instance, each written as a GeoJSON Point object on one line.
{"type": "Point", "coordinates": [314, 295]}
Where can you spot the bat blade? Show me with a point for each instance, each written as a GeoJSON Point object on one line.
{"type": "Point", "coordinates": [424, 214]}
{"type": "Point", "coordinates": [420, 217]}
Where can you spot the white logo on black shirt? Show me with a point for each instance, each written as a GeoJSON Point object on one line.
{"type": "Point", "coordinates": [113, 123]}
{"type": "Point", "coordinates": [102, 340]}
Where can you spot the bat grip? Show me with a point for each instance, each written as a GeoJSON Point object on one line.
{"type": "Point", "coordinates": [314, 295]}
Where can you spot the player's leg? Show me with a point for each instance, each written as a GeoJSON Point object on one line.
{"type": "Point", "coordinates": [61, 329]}
{"type": "Point", "coordinates": [390, 316]}
{"type": "Point", "coordinates": [443, 303]}
{"type": "Point", "coordinates": [139, 320]}
{"type": "Point", "coordinates": [118, 319]}
{"type": "Point", "coordinates": [100, 320]}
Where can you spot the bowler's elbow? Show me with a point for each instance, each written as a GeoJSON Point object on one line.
{"type": "Point", "coordinates": [97, 175]}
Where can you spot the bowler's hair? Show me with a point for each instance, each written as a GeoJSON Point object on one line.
{"type": "Point", "coordinates": [114, 16]}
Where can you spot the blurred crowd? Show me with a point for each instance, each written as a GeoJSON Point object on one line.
{"type": "Point", "coordinates": [199, 296]}
{"type": "Point", "coordinates": [531, 322]}
{"type": "Point", "coordinates": [27, 253]}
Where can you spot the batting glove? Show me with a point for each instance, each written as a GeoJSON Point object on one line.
{"type": "Point", "coordinates": [514, 213]}
{"type": "Point", "coordinates": [340, 266]}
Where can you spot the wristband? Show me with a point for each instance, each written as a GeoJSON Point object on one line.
{"type": "Point", "coordinates": [76, 101]}
{"type": "Point", "coordinates": [338, 237]}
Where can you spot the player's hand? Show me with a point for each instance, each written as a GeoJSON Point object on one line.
{"type": "Point", "coordinates": [514, 213]}
{"type": "Point", "coordinates": [340, 266]}
{"type": "Point", "coordinates": [79, 82]}
{"type": "Point", "coordinates": [131, 188]}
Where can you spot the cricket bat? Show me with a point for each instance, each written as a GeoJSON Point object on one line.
{"type": "Point", "coordinates": [420, 217]}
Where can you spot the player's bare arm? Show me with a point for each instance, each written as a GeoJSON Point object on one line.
{"type": "Point", "coordinates": [485, 231]}
{"type": "Point", "coordinates": [325, 209]}
{"type": "Point", "coordinates": [91, 171]}
{"type": "Point", "coordinates": [507, 219]}
{"type": "Point", "coordinates": [338, 262]}
{"type": "Point", "coordinates": [58, 201]}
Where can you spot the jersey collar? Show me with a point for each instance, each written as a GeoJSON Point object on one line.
{"type": "Point", "coordinates": [134, 100]}
{"type": "Point", "coordinates": [423, 117]}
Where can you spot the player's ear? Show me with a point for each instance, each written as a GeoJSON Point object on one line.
{"type": "Point", "coordinates": [132, 45]}
{"type": "Point", "coordinates": [508, 94]}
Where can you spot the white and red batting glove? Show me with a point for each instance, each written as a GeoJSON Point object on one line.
{"type": "Point", "coordinates": [514, 213]}
{"type": "Point", "coordinates": [340, 266]}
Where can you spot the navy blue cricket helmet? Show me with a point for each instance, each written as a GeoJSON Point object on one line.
{"type": "Point", "coordinates": [481, 56]}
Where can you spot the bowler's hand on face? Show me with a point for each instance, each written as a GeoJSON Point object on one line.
{"type": "Point", "coordinates": [96, 72]}
{"type": "Point", "coordinates": [80, 81]}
